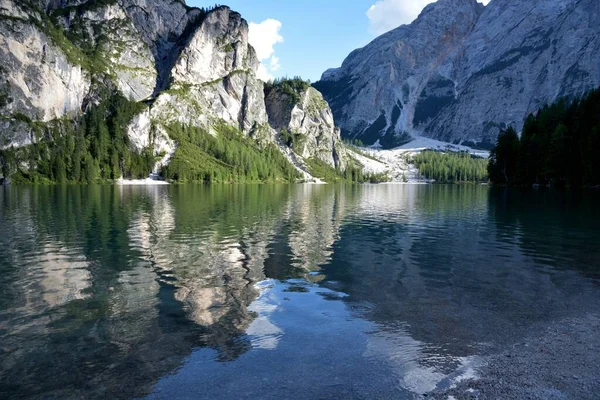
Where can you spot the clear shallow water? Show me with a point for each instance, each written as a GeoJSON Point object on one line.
{"type": "Point", "coordinates": [280, 291]}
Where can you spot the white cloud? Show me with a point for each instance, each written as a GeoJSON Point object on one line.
{"type": "Point", "coordinates": [386, 15]}
{"type": "Point", "coordinates": [274, 64]}
{"type": "Point", "coordinates": [263, 37]}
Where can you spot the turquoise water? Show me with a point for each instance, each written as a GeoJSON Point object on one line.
{"type": "Point", "coordinates": [314, 291]}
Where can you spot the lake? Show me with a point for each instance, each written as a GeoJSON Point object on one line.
{"type": "Point", "coordinates": [291, 291]}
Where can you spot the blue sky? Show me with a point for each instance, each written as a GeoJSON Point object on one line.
{"type": "Point", "coordinates": [307, 37]}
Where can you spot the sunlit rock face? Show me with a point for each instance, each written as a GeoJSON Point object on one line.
{"type": "Point", "coordinates": [110, 30]}
{"type": "Point", "coordinates": [462, 72]}
{"type": "Point", "coordinates": [188, 66]}
{"type": "Point", "coordinates": [309, 116]}
{"type": "Point", "coordinates": [212, 81]}
{"type": "Point", "coordinates": [214, 77]}
{"type": "Point", "coordinates": [218, 47]}
{"type": "Point", "coordinates": [195, 68]}
{"type": "Point", "coordinates": [38, 81]}
{"type": "Point", "coordinates": [164, 26]}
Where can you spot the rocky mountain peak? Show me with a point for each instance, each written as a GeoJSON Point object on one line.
{"type": "Point", "coordinates": [373, 94]}
{"type": "Point", "coordinates": [216, 48]}
{"type": "Point", "coordinates": [461, 72]}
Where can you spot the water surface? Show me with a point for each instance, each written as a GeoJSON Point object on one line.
{"type": "Point", "coordinates": [386, 291]}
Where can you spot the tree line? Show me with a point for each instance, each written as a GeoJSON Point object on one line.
{"type": "Point", "coordinates": [558, 146]}
{"type": "Point", "coordinates": [451, 167]}
{"type": "Point", "coordinates": [89, 149]}
{"type": "Point", "coordinates": [228, 157]}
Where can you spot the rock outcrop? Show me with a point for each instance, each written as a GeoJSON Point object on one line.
{"type": "Point", "coordinates": [189, 66]}
{"type": "Point", "coordinates": [462, 72]}
{"type": "Point", "coordinates": [214, 78]}
{"type": "Point", "coordinates": [212, 81]}
{"type": "Point", "coordinates": [119, 49]}
{"type": "Point", "coordinates": [522, 55]}
{"type": "Point", "coordinates": [38, 80]}
{"type": "Point", "coordinates": [304, 118]}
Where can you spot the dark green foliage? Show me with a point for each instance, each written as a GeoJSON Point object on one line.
{"type": "Point", "coordinates": [57, 36]}
{"type": "Point", "coordinates": [352, 174]}
{"type": "Point", "coordinates": [228, 157]}
{"type": "Point", "coordinates": [290, 139]}
{"type": "Point", "coordinates": [354, 142]}
{"type": "Point", "coordinates": [5, 99]}
{"type": "Point", "coordinates": [503, 161]}
{"type": "Point", "coordinates": [557, 147]}
{"type": "Point", "coordinates": [451, 167]}
{"type": "Point", "coordinates": [357, 146]}
{"type": "Point", "coordinates": [90, 149]}
{"type": "Point", "coordinates": [324, 171]}
{"type": "Point", "coordinates": [292, 87]}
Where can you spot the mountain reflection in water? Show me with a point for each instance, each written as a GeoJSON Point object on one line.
{"type": "Point", "coordinates": [279, 291]}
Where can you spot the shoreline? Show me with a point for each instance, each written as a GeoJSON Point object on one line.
{"type": "Point", "coordinates": [140, 182]}
{"type": "Point", "coordinates": [556, 362]}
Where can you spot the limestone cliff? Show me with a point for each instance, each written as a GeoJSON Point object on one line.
{"type": "Point", "coordinates": [304, 120]}
{"type": "Point", "coordinates": [188, 66]}
{"type": "Point", "coordinates": [39, 80]}
{"type": "Point", "coordinates": [461, 72]}
{"type": "Point", "coordinates": [375, 94]}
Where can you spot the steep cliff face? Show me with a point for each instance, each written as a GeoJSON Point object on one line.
{"type": "Point", "coordinates": [462, 72]}
{"type": "Point", "coordinates": [375, 94]}
{"type": "Point", "coordinates": [212, 81]}
{"type": "Point", "coordinates": [164, 26]}
{"type": "Point", "coordinates": [522, 55]}
{"type": "Point", "coordinates": [113, 44]}
{"type": "Point", "coordinates": [214, 77]}
{"type": "Point", "coordinates": [304, 121]}
{"type": "Point", "coordinates": [176, 65]}
{"type": "Point", "coordinates": [38, 80]}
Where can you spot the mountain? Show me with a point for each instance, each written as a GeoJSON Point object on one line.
{"type": "Point", "coordinates": [462, 72]}
{"type": "Point", "coordinates": [68, 62]}
{"type": "Point", "coordinates": [305, 122]}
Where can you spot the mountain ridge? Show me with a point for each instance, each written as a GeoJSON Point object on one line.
{"type": "Point", "coordinates": [182, 66]}
{"type": "Point", "coordinates": [518, 56]}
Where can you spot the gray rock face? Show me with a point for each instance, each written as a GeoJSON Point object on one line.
{"type": "Point", "coordinates": [191, 67]}
{"type": "Point", "coordinates": [216, 49]}
{"type": "Point", "coordinates": [521, 55]}
{"type": "Point", "coordinates": [214, 78]}
{"type": "Point", "coordinates": [375, 93]}
{"type": "Point", "coordinates": [462, 72]}
{"type": "Point", "coordinates": [37, 79]}
{"type": "Point", "coordinates": [164, 27]}
{"type": "Point", "coordinates": [212, 81]}
{"type": "Point", "coordinates": [311, 119]}
{"type": "Point", "coordinates": [128, 58]}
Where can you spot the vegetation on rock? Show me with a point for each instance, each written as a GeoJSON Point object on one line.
{"type": "Point", "coordinates": [94, 148]}
{"type": "Point", "coordinates": [227, 157]}
{"type": "Point", "coordinates": [293, 87]}
{"type": "Point", "coordinates": [353, 173]}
